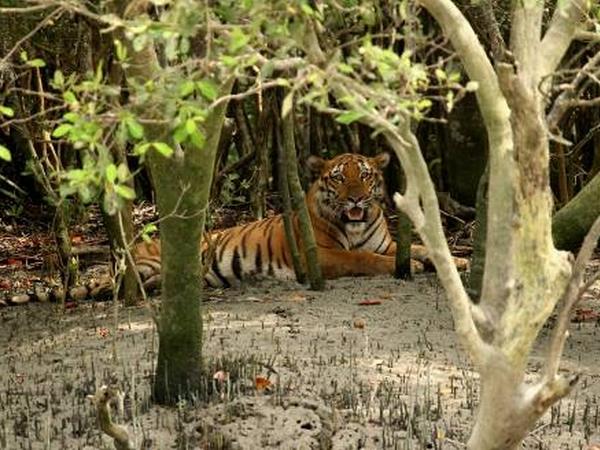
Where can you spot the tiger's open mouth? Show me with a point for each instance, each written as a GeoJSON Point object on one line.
{"type": "Point", "coordinates": [354, 214]}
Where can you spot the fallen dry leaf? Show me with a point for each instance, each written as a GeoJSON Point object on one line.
{"type": "Point", "coordinates": [262, 383]}
{"type": "Point", "coordinates": [103, 332]}
{"type": "Point", "coordinates": [14, 262]}
{"type": "Point", "coordinates": [369, 302]}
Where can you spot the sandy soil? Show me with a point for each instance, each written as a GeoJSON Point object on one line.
{"type": "Point", "coordinates": [340, 374]}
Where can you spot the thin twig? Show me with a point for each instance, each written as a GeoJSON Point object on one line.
{"type": "Point", "coordinates": [37, 28]}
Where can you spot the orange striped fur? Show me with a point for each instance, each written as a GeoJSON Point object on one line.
{"type": "Point", "coordinates": [350, 230]}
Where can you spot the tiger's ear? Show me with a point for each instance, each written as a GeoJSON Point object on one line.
{"type": "Point", "coordinates": [315, 164]}
{"type": "Point", "coordinates": [381, 160]}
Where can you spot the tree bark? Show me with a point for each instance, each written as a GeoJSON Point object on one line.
{"type": "Point", "coordinates": [515, 303]}
{"type": "Point", "coordinates": [309, 245]}
{"type": "Point", "coordinates": [571, 223]}
{"type": "Point", "coordinates": [286, 202]}
{"type": "Point", "coordinates": [184, 180]}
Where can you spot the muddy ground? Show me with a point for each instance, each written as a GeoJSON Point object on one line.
{"type": "Point", "coordinates": [308, 370]}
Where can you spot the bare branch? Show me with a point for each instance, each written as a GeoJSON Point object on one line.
{"type": "Point", "coordinates": [561, 32]}
{"type": "Point", "coordinates": [26, 9]}
{"type": "Point", "coordinates": [252, 91]}
{"type": "Point", "coordinates": [561, 104]}
{"type": "Point", "coordinates": [525, 37]}
{"type": "Point", "coordinates": [571, 296]}
{"type": "Point", "coordinates": [25, 38]}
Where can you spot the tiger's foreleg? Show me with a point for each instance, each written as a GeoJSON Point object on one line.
{"type": "Point", "coordinates": [338, 263]}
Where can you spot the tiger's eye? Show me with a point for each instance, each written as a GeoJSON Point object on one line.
{"type": "Point", "coordinates": [337, 176]}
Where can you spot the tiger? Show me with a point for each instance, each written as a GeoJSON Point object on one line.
{"type": "Point", "coordinates": [345, 208]}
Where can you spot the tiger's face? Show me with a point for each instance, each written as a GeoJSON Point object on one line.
{"type": "Point", "coordinates": [348, 186]}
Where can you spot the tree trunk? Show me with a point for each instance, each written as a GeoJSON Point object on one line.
{"type": "Point", "coordinates": [181, 181]}
{"type": "Point", "coordinates": [525, 276]}
{"type": "Point", "coordinates": [309, 246]}
{"type": "Point", "coordinates": [286, 202]}
{"type": "Point", "coordinates": [571, 223]}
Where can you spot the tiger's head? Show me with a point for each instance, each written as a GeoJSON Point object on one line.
{"type": "Point", "coordinates": [349, 187]}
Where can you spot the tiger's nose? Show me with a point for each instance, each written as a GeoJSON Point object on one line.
{"type": "Point", "coordinates": [356, 198]}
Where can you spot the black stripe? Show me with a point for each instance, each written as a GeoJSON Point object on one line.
{"type": "Point", "coordinates": [223, 245]}
{"type": "Point", "coordinates": [333, 236]}
{"type": "Point", "coordinates": [387, 247]}
{"type": "Point", "coordinates": [236, 266]}
{"type": "Point", "coordinates": [207, 281]}
{"type": "Point", "coordinates": [284, 254]}
{"type": "Point", "coordinates": [341, 230]}
{"type": "Point", "coordinates": [373, 228]}
{"type": "Point", "coordinates": [278, 262]}
{"type": "Point", "coordinates": [246, 231]}
{"type": "Point", "coordinates": [258, 259]}
{"type": "Point", "coordinates": [215, 268]}
{"type": "Point", "coordinates": [243, 244]}
{"type": "Point", "coordinates": [380, 244]}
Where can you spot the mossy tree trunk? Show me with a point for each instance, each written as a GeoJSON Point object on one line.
{"type": "Point", "coordinates": [182, 184]}
{"type": "Point", "coordinates": [403, 237]}
{"type": "Point", "coordinates": [309, 246]}
{"type": "Point", "coordinates": [572, 222]}
{"type": "Point", "coordinates": [286, 203]}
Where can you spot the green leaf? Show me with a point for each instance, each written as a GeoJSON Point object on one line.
{"type": "Point", "coordinates": [71, 117]}
{"type": "Point", "coordinates": [163, 149]}
{"type": "Point", "coordinates": [111, 173]}
{"type": "Point", "coordinates": [238, 39]}
{"type": "Point", "coordinates": [454, 77]}
{"type": "Point", "coordinates": [62, 130]}
{"type": "Point", "coordinates": [36, 63]}
{"type": "Point", "coordinates": [149, 228]}
{"type": "Point", "coordinates": [134, 128]}
{"type": "Point", "coordinates": [120, 50]}
{"type": "Point", "coordinates": [5, 153]}
{"type": "Point", "coordinates": [190, 126]}
{"type": "Point", "coordinates": [348, 117]}
{"type": "Point", "coordinates": [122, 172]}
{"type": "Point", "coordinates": [186, 88]}
{"type": "Point", "coordinates": [440, 74]}
{"type": "Point", "coordinates": [306, 9]}
{"type": "Point", "coordinates": [424, 103]}
{"type": "Point", "coordinates": [69, 97]}
{"type": "Point", "coordinates": [197, 139]}
{"type": "Point", "coordinates": [180, 134]}
{"type": "Point", "coordinates": [345, 68]}
{"type": "Point", "coordinates": [125, 191]}
{"type": "Point", "coordinates": [6, 111]}
{"type": "Point", "coordinates": [208, 89]}
{"type": "Point", "coordinates": [141, 150]}
{"type": "Point", "coordinates": [287, 104]}
{"type": "Point", "coordinates": [229, 61]}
